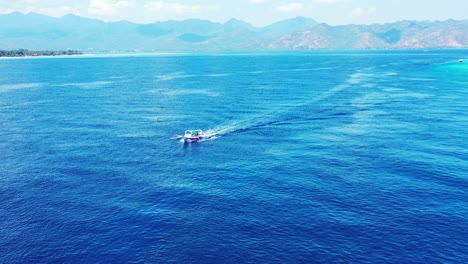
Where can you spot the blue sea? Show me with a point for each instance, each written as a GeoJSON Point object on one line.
{"type": "Point", "coordinates": [319, 157]}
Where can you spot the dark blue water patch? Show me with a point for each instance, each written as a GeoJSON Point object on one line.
{"type": "Point", "coordinates": [318, 157]}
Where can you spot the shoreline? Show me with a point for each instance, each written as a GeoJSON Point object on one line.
{"type": "Point", "coordinates": [79, 54]}
{"type": "Point", "coordinates": [22, 53]}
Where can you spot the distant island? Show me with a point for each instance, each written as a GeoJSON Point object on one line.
{"type": "Point", "coordinates": [36, 53]}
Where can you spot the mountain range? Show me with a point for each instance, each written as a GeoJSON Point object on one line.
{"type": "Point", "coordinates": [40, 32]}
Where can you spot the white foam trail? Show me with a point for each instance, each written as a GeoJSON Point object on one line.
{"type": "Point", "coordinates": [239, 126]}
{"type": "Point", "coordinates": [88, 85]}
{"type": "Point", "coordinates": [216, 75]}
{"type": "Point", "coordinates": [260, 121]}
{"type": "Point", "coordinates": [230, 128]}
{"type": "Point", "coordinates": [189, 92]}
{"type": "Point", "coordinates": [9, 87]}
{"type": "Point", "coordinates": [355, 79]}
{"type": "Point", "coordinates": [181, 75]}
{"type": "Point", "coordinates": [172, 76]}
{"type": "Point", "coordinates": [330, 92]}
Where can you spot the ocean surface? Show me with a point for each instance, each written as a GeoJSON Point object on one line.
{"type": "Point", "coordinates": [319, 157]}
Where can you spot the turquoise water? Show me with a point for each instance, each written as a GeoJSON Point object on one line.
{"type": "Point", "coordinates": [351, 157]}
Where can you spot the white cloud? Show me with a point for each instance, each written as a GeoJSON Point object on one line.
{"type": "Point", "coordinates": [362, 12]}
{"type": "Point", "coordinates": [55, 8]}
{"type": "Point", "coordinates": [176, 8]}
{"type": "Point", "coordinates": [6, 10]}
{"type": "Point", "coordinates": [58, 11]}
{"type": "Point", "coordinates": [107, 7]}
{"type": "Point", "coordinates": [257, 1]}
{"type": "Point", "coordinates": [289, 8]}
{"type": "Point", "coordinates": [331, 1]}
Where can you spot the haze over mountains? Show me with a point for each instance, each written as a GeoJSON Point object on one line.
{"type": "Point", "coordinates": [38, 32]}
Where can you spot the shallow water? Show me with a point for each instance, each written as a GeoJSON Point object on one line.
{"type": "Point", "coordinates": [320, 157]}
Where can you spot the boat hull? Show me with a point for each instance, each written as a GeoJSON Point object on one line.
{"type": "Point", "coordinates": [191, 139]}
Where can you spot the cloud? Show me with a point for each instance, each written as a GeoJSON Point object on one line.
{"type": "Point", "coordinates": [58, 11]}
{"type": "Point", "coordinates": [362, 12]}
{"type": "Point", "coordinates": [177, 8]}
{"type": "Point", "coordinates": [331, 1]}
{"type": "Point", "coordinates": [257, 1]}
{"type": "Point", "coordinates": [6, 10]}
{"type": "Point", "coordinates": [107, 7]}
{"type": "Point", "coordinates": [55, 8]}
{"type": "Point", "coordinates": [289, 8]}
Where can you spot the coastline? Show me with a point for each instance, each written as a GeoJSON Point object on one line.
{"type": "Point", "coordinates": [22, 53]}
{"type": "Point", "coordinates": [79, 54]}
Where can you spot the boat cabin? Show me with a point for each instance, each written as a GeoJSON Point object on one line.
{"type": "Point", "coordinates": [193, 133]}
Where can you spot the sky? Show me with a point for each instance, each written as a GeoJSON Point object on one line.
{"type": "Point", "coordinates": [255, 12]}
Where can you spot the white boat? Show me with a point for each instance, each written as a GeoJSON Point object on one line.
{"type": "Point", "coordinates": [192, 136]}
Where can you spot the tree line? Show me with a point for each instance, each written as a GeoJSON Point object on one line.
{"type": "Point", "coordinates": [28, 53]}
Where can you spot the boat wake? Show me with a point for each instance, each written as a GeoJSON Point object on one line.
{"type": "Point", "coordinates": [292, 114]}
{"type": "Point", "coordinates": [228, 129]}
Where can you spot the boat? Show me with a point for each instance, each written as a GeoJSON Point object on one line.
{"type": "Point", "coordinates": [192, 136]}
